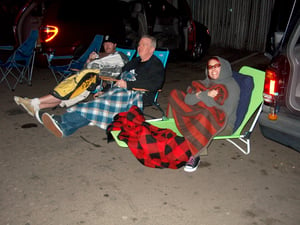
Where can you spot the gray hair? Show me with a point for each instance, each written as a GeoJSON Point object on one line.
{"type": "Point", "coordinates": [153, 39]}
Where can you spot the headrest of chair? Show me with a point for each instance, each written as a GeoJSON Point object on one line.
{"type": "Point", "coordinates": [246, 85]}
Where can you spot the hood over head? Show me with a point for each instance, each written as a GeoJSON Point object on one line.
{"type": "Point", "coordinates": [225, 72]}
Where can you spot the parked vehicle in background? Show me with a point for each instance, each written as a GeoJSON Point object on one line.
{"type": "Point", "coordinates": [67, 26]}
{"type": "Point", "coordinates": [280, 120]}
{"type": "Point", "coordinates": [279, 28]}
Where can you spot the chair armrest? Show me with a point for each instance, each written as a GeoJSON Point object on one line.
{"type": "Point", "coordinates": [7, 47]}
{"type": "Point", "coordinates": [140, 89]}
{"type": "Point", "coordinates": [144, 90]}
{"type": "Point", "coordinates": [106, 78]}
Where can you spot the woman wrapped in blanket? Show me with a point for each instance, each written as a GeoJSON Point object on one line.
{"type": "Point", "coordinates": [218, 72]}
{"type": "Point", "coordinates": [144, 72]}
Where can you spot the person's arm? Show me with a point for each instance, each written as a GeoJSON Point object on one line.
{"type": "Point", "coordinates": [150, 76]}
{"type": "Point", "coordinates": [205, 96]}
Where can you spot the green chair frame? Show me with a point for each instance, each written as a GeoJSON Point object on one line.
{"type": "Point", "coordinates": [255, 105]}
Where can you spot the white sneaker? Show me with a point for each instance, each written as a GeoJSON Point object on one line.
{"type": "Point", "coordinates": [26, 104]}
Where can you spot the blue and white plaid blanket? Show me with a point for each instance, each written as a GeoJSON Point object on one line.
{"type": "Point", "coordinates": [102, 110]}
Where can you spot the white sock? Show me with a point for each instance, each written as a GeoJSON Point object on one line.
{"type": "Point", "coordinates": [36, 104]}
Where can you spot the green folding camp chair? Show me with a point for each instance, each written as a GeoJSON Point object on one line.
{"type": "Point", "coordinates": [255, 105]}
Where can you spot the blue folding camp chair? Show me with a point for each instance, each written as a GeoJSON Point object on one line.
{"type": "Point", "coordinates": [163, 55]}
{"type": "Point", "coordinates": [19, 65]}
{"type": "Point", "coordinates": [241, 136]}
{"type": "Point", "coordinates": [61, 72]}
{"type": "Point", "coordinates": [129, 52]}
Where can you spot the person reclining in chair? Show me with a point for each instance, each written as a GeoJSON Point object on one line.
{"type": "Point", "coordinates": [110, 63]}
{"type": "Point", "coordinates": [143, 72]}
{"type": "Point", "coordinates": [221, 95]}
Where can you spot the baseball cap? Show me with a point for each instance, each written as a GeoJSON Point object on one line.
{"type": "Point", "coordinates": [109, 38]}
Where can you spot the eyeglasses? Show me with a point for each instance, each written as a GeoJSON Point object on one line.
{"type": "Point", "coordinates": [217, 65]}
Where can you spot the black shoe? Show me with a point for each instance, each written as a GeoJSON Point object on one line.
{"type": "Point", "coordinates": [192, 164]}
{"type": "Point", "coordinates": [52, 125]}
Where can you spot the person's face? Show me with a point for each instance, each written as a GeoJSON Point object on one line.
{"type": "Point", "coordinates": [145, 49]}
{"type": "Point", "coordinates": [214, 68]}
{"type": "Point", "coordinates": [109, 47]}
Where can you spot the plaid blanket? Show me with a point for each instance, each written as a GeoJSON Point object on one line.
{"type": "Point", "coordinates": [152, 146]}
{"type": "Point", "coordinates": [102, 110]}
{"type": "Point", "coordinates": [198, 123]}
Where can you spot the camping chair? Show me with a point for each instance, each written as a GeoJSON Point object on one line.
{"type": "Point", "coordinates": [129, 52]}
{"type": "Point", "coordinates": [163, 55]}
{"type": "Point", "coordinates": [63, 71]}
{"type": "Point", "coordinates": [255, 105]}
{"type": "Point", "coordinates": [20, 63]}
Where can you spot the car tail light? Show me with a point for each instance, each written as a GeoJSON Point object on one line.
{"type": "Point", "coordinates": [271, 86]}
{"type": "Point", "coordinates": [48, 33]}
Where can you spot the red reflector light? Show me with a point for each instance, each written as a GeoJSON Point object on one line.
{"type": "Point", "coordinates": [272, 87]}
{"type": "Point", "coordinates": [271, 83]}
{"type": "Point", "coordinates": [48, 33]}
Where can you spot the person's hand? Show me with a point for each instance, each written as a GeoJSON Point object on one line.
{"type": "Point", "coordinates": [198, 94]}
{"type": "Point", "coordinates": [213, 93]}
{"type": "Point", "coordinates": [121, 84]}
{"type": "Point", "coordinates": [98, 94]}
{"type": "Point", "coordinates": [93, 55]}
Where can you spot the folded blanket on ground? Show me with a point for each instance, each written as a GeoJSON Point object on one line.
{"type": "Point", "coordinates": [198, 123]}
{"type": "Point", "coordinates": [152, 146]}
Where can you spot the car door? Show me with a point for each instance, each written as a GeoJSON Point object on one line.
{"type": "Point", "coordinates": [293, 55]}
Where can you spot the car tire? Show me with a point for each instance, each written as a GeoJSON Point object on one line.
{"type": "Point", "coordinates": [198, 51]}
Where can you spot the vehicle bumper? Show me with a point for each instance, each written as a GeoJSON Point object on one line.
{"type": "Point", "coordinates": [284, 130]}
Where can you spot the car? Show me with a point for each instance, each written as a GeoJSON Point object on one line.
{"type": "Point", "coordinates": [278, 24]}
{"type": "Point", "coordinates": [67, 26]}
{"type": "Point", "coordinates": [280, 119]}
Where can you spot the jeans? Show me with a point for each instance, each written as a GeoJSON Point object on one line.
{"type": "Point", "coordinates": [70, 122]}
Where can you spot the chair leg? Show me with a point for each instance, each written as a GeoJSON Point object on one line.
{"type": "Point", "coordinates": [157, 105]}
{"type": "Point", "coordinates": [246, 141]}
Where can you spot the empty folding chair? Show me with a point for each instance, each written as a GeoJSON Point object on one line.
{"type": "Point", "coordinates": [19, 65]}
{"type": "Point", "coordinates": [63, 71]}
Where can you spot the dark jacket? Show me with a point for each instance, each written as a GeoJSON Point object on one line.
{"type": "Point", "coordinates": [149, 75]}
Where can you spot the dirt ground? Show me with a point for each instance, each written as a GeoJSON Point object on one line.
{"type": "Point", "coordinates": [83, 180]}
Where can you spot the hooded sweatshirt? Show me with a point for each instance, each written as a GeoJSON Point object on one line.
{"type": "Point", "coordinates": [231, 103]}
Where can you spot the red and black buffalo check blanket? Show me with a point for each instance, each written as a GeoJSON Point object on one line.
{"type": "Point", "coordinates": [152, 146]}
{"type": "Point", "coordinates": [198, 123]}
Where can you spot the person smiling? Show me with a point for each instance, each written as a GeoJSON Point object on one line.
{"type": "Point", "coordinates": [218, 96]}
{"type": "Point", "coordinates": [219, 71]}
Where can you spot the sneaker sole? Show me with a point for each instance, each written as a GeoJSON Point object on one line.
{"type": "Point", "coordinates": [38, 117]}
{"type": "Point", "coordinates": [190, 170]}
{"type": "Point", "coordinates": [24, 107]}
{"type": "Point", "coordinates": [51, 125]}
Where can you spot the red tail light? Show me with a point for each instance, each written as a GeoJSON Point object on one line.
{"type": "Point", "coordinates": [48, 33]}
{"type": "Point", "coordinates": [271, 86]}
